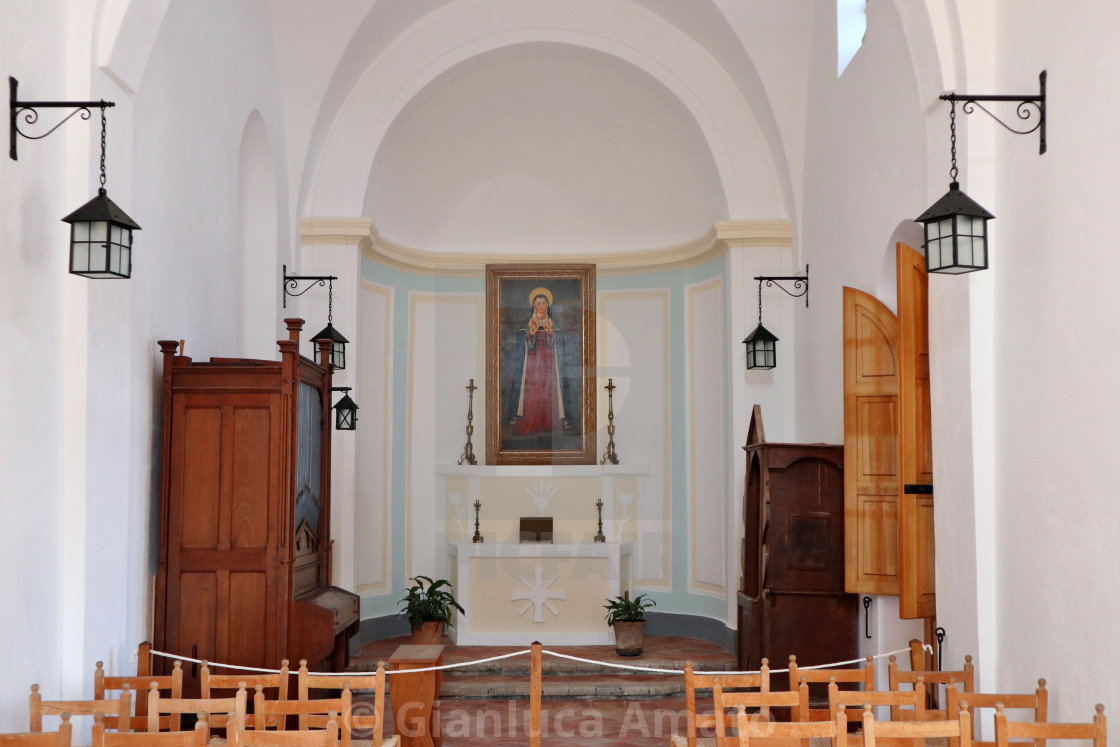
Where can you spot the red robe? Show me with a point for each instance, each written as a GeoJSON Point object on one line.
{"type": "Point", "coordinates": [541, 409]}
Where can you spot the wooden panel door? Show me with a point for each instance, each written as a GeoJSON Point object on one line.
{"type": "Point", "coordinates": [915, 508]}
{"type": "Point", "coordinates": [223, 579]}
{"type": "Point", "coordinates": [871, 470]}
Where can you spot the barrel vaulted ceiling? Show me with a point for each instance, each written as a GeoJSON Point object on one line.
{"type": "Point", "coordinates": [546, 126]}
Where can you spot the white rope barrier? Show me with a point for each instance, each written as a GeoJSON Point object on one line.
{"type": "Point", "coordinates": [653, 670]}
{"type": "Point", "coordinates": [339, 674]}
{"type": "Point", "coordinates": [611, 664]}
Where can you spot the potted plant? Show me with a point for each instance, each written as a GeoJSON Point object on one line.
{"type": "Point", "coordinates": [628, 618]}
{"type": "Point", "coordinates": [427, 606]}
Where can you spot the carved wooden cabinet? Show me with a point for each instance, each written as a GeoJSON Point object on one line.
{"type": "Point", "coordinates": [792, 598]}
{"type": "Point", "coordinates": [244, 565]}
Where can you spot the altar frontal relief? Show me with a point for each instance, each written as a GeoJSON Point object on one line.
{"type": "Point", "coordinates": [540, 364]}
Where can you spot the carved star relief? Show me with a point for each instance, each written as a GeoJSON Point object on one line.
{"type": "Point", "coordinates": [538, 595]}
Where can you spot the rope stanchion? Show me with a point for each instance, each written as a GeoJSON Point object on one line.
{"type": "Point", "coordinates": [512, 654]}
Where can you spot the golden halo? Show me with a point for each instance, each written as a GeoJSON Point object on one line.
{"type": "Point", "coordinates": [540, 292]}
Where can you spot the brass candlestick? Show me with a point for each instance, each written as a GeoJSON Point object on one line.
{"type": "Point", "coordinates": [477, 535]}
{"type": "Point", "coordinates": [600, 537]}
{"type": "Point", "coordinates": [611, 456]}
{"type": "Point", "coordinates": [468, 450]}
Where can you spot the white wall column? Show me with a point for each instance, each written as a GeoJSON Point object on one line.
{"type": "Point", "coordinates": [333, 246]}
{"type": "Point", "coordinates": [754, 248]}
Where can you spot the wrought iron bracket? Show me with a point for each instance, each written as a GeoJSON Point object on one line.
{"type": "Point", "coordinates": [293, 281]}
{"type": "Point", "coordinates": [1028, 107]}
{"type": "Point", "coordinates": [800, 283]}
{"type": "Point", "coordinates": [29, 112]}
{"type": "Point", "coordinates": [867, 617]}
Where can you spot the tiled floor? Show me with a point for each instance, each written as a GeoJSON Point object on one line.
{"type": "Point", "coordinates": [642, 721]}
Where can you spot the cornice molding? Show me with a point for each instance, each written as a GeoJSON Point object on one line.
{"type": "Point", "coordinates": [739, 234]}
{"type": "Point", "coordinates": [348, 231]}
{"type": "Point", "coordinates": [722, 237]}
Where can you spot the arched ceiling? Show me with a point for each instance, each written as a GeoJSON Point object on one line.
{"type": "Point", "coordinates": [548, 148]}
{"type": "Point", "coordinates": [649, 91]}
{"type": "Point", "coordinates": [363, 82]}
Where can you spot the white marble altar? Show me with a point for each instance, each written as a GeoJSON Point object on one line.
{"type": "Point", "coordinates": [515, 594]}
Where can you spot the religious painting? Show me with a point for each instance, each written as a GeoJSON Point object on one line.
{"type": "Point", "coordinates": [540, 364]}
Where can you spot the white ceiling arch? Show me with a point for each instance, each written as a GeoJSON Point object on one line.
{"type": "Point", "coordinates": [467, 28]}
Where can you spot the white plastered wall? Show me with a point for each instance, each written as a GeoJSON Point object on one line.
{"type": "Point", "coordinates": [1055, 399]}
{"type": "Point", "coordinates": [81, 421]}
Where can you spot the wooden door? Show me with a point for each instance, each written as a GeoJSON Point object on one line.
{"type": "Point", "coordinates": [915, 509]}
{"type": "Point", "coordinates": [223, 530]}
{"type": "Point", "coordinates": [871, 471]}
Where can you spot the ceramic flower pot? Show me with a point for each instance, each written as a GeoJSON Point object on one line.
{"type": "Point", "coordinates": [628, 637]}
{"type": "Point", "coordinates": [429, 633]}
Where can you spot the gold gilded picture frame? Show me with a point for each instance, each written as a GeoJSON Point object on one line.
{"type": "Point", "coordinates": [540, 364]}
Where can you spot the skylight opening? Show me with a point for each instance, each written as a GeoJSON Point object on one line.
{"type": "Point", "coordinates": [851, 25]}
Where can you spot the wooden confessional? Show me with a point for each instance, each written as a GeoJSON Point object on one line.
{"type": "Point", "coordinates": [244, 565]}
{"type": "Point", "coordinates": [792, 598]}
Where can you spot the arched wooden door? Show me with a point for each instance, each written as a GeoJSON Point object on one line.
{"type": "Point", "coordinates": [888, 454]}
{"type": "Point", "coordinates": [871, 474]}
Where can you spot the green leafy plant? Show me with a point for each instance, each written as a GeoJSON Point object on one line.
{"type": "Point", "coordinates": [428, 601]}
{"type": "Point", "coordinates": [625, 609]}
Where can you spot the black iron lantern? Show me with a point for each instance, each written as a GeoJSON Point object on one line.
{"type": "Point", "coordinates": [337, 356]}
{"type": "Point", "coordinates": [346, 411]}
{"type": "Point", "coordinates": [101, 239]}
{"type": "Point", "coordinates": [100, 232]}
{"type": "Point", "coordinates": [956, 227]}
{"type": "Point", "coordinates": [956, 233]}
{"type": "Point", "coordinates": [338, 345]}
{"type": "Point", "coordinates": [761, 350]}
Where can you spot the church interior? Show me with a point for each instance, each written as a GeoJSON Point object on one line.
{"type": "Point", "coordinates": [637, 172]}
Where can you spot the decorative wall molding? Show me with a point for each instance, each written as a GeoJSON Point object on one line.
{"type": "Point", "coordinates": [739, 234]}
{"type": "Point", "coordinates": [723, 236]}
{"type": "Point", "coordinates": [348, 231]}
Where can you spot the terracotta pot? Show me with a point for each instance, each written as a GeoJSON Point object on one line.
{"type": "Point", "coordinates": [428, 633]}
{"type": "Point", "coordinates": [628, 637]}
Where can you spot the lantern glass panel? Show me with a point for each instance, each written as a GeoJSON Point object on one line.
{"type": "Point", "coordinates": [761, 354]}
{"type": "Point", "coordinates": [345, 419]}
{"type": "Point", "coordinates": [964, 251]}
{"type": "Point", "coordinates": [338, 355]}
{"type": "Point", "coordinates": [79, 251]}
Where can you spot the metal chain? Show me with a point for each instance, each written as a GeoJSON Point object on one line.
{"type": "Point", "coordinates": [330, 302]}
{"type": "Point", "coordinates": [760, 302]}
{"type": "Point", "coordinates": [953, 140]}
{"type": "Point", "coordinates": [102, 147]}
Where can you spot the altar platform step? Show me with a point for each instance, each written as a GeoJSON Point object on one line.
{"type": "Point", "coordinates": [563, 678]}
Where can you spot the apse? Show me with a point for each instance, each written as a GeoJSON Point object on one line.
{"type": "Point", "coordinates": [544, 148]}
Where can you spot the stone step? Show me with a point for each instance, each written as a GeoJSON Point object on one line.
{"type": "Point", "coordinates": [564, 686]}
{"type": "Point", "coordinates": [592, 676]}
{"type": "Point", "coordinates": [552, 666]}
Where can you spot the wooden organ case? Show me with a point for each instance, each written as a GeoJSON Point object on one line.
{"type": "Point", "coordinates": [792, 598]}
{"type": "Point", "coordinates": [244, 565]}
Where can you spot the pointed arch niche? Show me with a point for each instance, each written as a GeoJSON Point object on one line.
{"type": "Point", "coordinates": [257, 242]}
